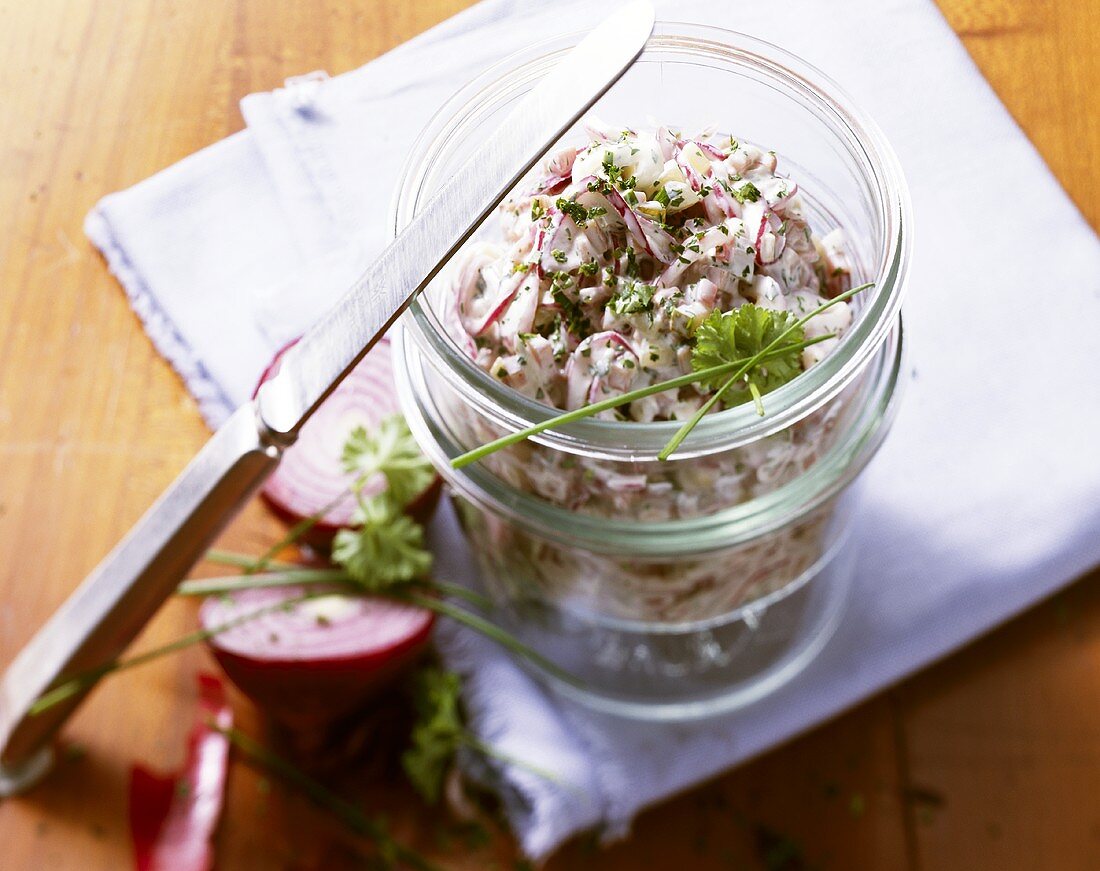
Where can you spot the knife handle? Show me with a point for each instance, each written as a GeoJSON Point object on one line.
{"type": "Point", "coordinates": [97, 622]}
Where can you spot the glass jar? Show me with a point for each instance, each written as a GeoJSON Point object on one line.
{"type": "Point", "coordinates": [684, 587]}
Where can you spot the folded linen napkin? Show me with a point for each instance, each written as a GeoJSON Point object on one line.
{"type": "Point", "coordinates": [985, 498]}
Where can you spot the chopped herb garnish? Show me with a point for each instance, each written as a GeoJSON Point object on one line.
{"type": "Point", "coordinates": [747, 193]}
{"type": "Point", "coordinates": [632, 298]}
{"type": "Point", "coordinates": [580, 215]}
{"type": "Point", "coordinates": [669, 200]}
{"type": "Point", "coordinates": [573, 314]}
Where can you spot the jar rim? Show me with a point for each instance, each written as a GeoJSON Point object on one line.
{"type": "Point", "coordinates": [730, 427]}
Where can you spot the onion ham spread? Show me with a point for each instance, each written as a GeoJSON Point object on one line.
{"type": "Point", "coordinates": [607, 264]}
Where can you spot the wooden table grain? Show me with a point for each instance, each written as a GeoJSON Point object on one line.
{"type": "Point", "coordinates": [989, 760]}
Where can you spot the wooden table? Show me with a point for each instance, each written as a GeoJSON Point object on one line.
{"type": "Point", "coordinates": [990, 760]}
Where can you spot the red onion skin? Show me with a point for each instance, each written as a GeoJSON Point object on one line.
{"type": "Point", "coordinates": [173, 817]}
{"type": "Point", "coordinates": [711, 152]}
{"type": "Point", "coordinates": [321, 534]}
{"type": "Point", "coordinates": [309, 693]}
{"type": "Point", "coordinates": [500, 306]}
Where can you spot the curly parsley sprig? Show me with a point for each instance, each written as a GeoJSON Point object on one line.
{"type": "Point", "coordinates": [390, 450]}
{"type": "Point", "coordinates": [440, 732]}
{"type": "Point", "coordinates": [779, 338]}
{"type": "Point", "coordinates": [385, 555]}
{"type": "Point", "coordinates": [740, 336]}
{"type": "Point", "coordinates": [735, 369]}
{"type": "Point", "coordinates": [385, 547]}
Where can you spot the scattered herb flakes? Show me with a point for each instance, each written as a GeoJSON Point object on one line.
{"type": "Point", "coordinates": [779, 852]}
{"type": "Point", "coordinates": [633, 298]}
{"type": "Point", "coordinates": [575, 319]}
{"type": "Point", "coordinates": [580, 215]}
{"type": "Point", "coordinates": [747, 193]}
{"type": "Point", "coordinates": [667, 200]}
{"type": "Point", "coordinates": [925, 802]}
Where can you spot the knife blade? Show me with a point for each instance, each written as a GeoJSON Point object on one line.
{"type": "Point", "coordinates": [98, 621]}
{"type": "Point", "coordinates": [313, 367]}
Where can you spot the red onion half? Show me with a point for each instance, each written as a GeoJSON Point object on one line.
{"type": "Point", "coordinates": [311, 475]}
{"type": "Point", "coordinates": [315, 661]}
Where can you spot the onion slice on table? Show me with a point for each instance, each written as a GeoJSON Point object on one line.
{"type": "Point", "coordinates": [173, 817]}
{"type": "Point", "coordinates": [311, 475]}
{"type": "Point", "coordinates": [316, 661]}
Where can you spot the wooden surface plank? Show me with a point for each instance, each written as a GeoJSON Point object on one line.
{"type": "Point", "coordinates": [985, 761]}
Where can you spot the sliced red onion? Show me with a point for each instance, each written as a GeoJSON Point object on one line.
{"type": "Point", "coordinates": [652, 239]}
{"type": "Point", "coordinates": [668, 142]}
{"type": "Point", "coordinates": [618, 483]}
{"type": "Point", "coordinates": [710, 151]}
{"type": "Point", "coordinates": [519, 317]}
{"type": "Point", "coordinates": [765, 220]}
{"type": "Point", "coordinates": [779, 205]}
{"type": "Point", "coordinates": [630, 218]}
{"type": "Point", "coordinates": [559, 237]}
{"type": "Point", "coordinates": [690, 172]}
{"type": "Point", "coordinates": [552, 185]}
{"type": "Point", "coordinates": [311, 475]}
{"type": "Point", "coordinates": [316, 661]}
{"type": "Point", "coordinates": [506, 293]}
{"type": "Point", "coordinates": [583, 382]}
{"type": "Point", "coordinates": [173, 817]}
{"type": "Point", "coordinates": [556, 171]}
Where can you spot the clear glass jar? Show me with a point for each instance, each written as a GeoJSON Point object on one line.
{"type": "Point", "coordinates": [685, 587]}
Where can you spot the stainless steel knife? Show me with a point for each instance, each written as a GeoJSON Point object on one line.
{"type": "Point", "coordinates": [115, 601]}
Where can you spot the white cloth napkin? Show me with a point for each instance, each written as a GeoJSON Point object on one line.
{"type": "Point", "coordinates": [985, 498]}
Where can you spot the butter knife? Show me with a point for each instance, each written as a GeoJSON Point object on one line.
{"type": "Point", "coordinates": [105, 613]}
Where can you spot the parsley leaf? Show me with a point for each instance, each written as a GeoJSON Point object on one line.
{"type": "Point", "coordinates": [575, 319]}
{"type": "Point", "coordinates": [747, 193]}
{"type": "Point", "coordinates": [727, 337]}
{"type": "Point", "coordinates": [385, 548]}
{"type": "Point", "coordinates": [438, 732]}
{"type": "Point", "coordinates": [390, 450]}
{"type": "Point", "coordinates": [632, 298]}
{"type": "Point", "coordinates": [580, 215]}
{"type": "Point", "coordinates": [673, 200]}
